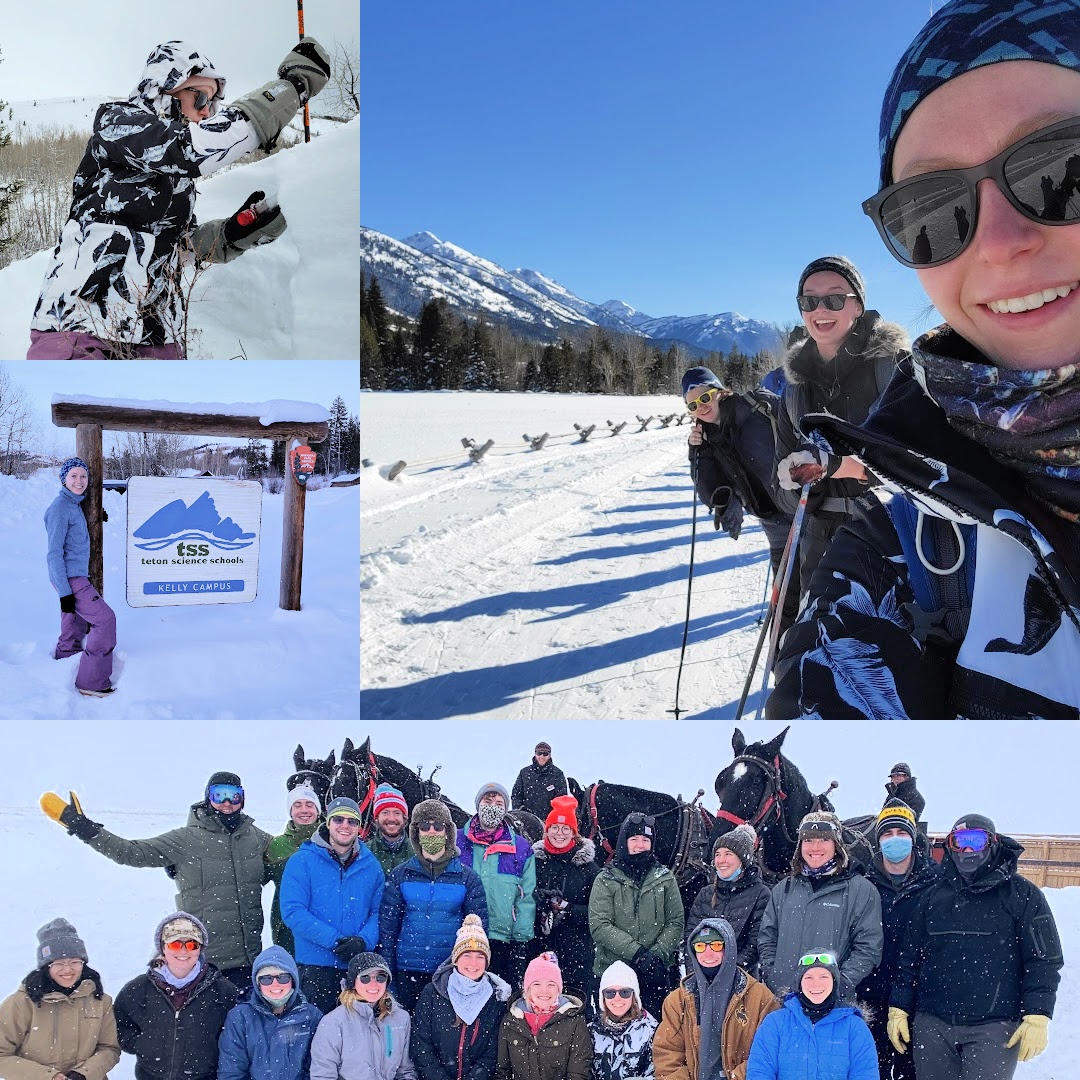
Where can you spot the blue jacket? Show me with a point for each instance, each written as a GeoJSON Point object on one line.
{"type": "Point", "coordinates": [788, 1047]}
{"type": "Point", "coordinates": [321, 903]}
{"type": "Point", "coordinates": [420, 916]}
{"type": "Point", "coordinates": [257, 1045]}
{"type": "Point", "coordinates": [69, 540]}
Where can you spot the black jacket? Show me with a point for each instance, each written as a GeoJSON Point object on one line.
{"type": "Point", "coordinates": [569, 876]}
{"type": "Point", "coordinates": [535, 787]}
{"type": "Point", "coordinates": [897, 906]}
{"type": "Point", "coordinates": [907, 793]}
{"type": "Point", "coordinates": [742, 902]}
{"type": "Point", "coordinates": [171, 1045]}
{"type": "Point", "coordinates": [739, 452]}
{"type": "Point", "coordinates": [442, 1047]}
{"type": "Point", "coordinates": [983, 951]}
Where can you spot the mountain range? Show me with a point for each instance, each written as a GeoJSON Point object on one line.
{"type": "Point", "coordinates": [413, 270]}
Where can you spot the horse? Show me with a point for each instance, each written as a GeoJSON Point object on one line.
{"type": "Point", "coordinates": [680, 834]}
{"type": "Point", "coordinates": [763, 788]}
{"type": "Point", "coordinates": [312, 772]}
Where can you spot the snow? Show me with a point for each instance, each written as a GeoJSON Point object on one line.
{"type": "Point", "coordinates": [232, 663]}
{"type": "Point", "coordinates": [139, 779]}
{"type": "Point", "coordinates": [294, 299]}
{"type": "Point", "coordinates": [276, 411]}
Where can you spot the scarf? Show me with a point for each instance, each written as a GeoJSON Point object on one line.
{"type": "Point", "coordinates": [821, 871]}
{"type": "Point", "coordinates": [714, 989]}
{"type": "Point", "coordinates": [468, 997]}
{"type": "Point", "coordinates": [1027, 420]}
{"type": "Point", "coordinates": [487, 837]}
{"type": "Point", "coordinates": [166, 976]}
{"type": "Point", "coordinates": [537, 1020]}
{"type": "Point", "coordinates": [393, 845]}
{"type": "Point", "coordinates": [551, 849]}
{"type": "Point", "coordinates": [815, 1012]}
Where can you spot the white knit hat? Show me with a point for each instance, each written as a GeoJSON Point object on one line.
{"type": "Point", "coordinates": [620, 974]}
{"type": "Point", "coordinates": [302, 791]}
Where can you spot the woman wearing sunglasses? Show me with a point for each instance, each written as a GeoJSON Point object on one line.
{"type": "Point", "coordinates": [980, 963]}
{"type": "Point", "coordinates": [841, 367]}
{"type": "Point", "coordinates": [59, 1024]}
{"type": "Point", "coordinates": [170, 1017]}
{"type": "Point", "coordinates": [268, 1036]}
{"type": "Point", "coordinates": [710, 1019]}
{"type": "Point", "coordinates": [961, 597]}
{"type": "Point", "coordinates": [622, 1031]}
{"type": "Point", "coordinates": [815, 1036]}
{"type": "Point", "coordinates": [367, 1036]}
{"type": "Point", "coordinates": [115, 288]}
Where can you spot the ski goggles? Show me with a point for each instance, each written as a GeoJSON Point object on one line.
{"type": "Point", "coordinates": [378, 976]}
{"type": "Point", "coordinates": [268, 980]}
{"type": "Point", "coordinates": [612, 992]}
{"type": "Point", "coordinates": [225, 793]}
{"type": "Point", "coordinates": [975, 839]}
{"type": "Point", "coordinates": [183, 946]}
{"type": "Point", "coordinates": [812, 958]}
{"type": "Point", "coordinates": [930, 219]}
{"type": "Point", "coordinates": [202, 99]}
{"type": "Point", "coordinates": [831, 301]}
{"type": "Point", "coordinates": [716, 945]}
{"type": "Point", "coordinates": [702, 399]}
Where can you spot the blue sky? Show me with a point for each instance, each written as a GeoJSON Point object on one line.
{"type": "Point", "coordinates": [684, 157]}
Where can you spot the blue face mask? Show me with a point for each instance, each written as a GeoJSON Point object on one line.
{"type": "Point", "coordinates": [896, 848]}
{"type": "Point", "coordinates": [733, 876]}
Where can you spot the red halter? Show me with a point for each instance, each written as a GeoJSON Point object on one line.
{"type": "Point", "coordinates": [771, 800]}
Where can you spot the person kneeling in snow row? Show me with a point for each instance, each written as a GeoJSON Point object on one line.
{"type": "Point", "coordinates": [114, 289]}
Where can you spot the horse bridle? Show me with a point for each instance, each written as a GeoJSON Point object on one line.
{"type": "Point", "coordinates": [771, 800]}
{"type": "Point", "coordinates": [369, 795]}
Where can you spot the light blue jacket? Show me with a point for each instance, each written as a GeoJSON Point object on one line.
{"type": "Point", "coordinates": [69, 540]}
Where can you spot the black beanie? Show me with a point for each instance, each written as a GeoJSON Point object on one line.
{"type": "Point", "coordinates": [699, 376]}
{"type": "Point", "coordinates": [223, 778]}
{"type": "Point", "coordinates": [838, 265]}
{"type": "Point", "coordinates": [976, 821]}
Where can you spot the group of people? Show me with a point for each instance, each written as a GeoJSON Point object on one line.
{"type": "Point", "coordinates": [432, 952]}
{"type": "Point", "coordinates": [936, 570]}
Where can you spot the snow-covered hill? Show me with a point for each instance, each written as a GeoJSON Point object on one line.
{"type": "Point", "coordinates": [69, 113]}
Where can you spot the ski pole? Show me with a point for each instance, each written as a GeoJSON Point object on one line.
{"type": "Point", "coordinates": [774, 639]}
{"type": "Point", "coordinates": [690, 577]}
{"type": "Point", "coordinates": [764, 594]}
{"type": "Point", "coordinates": [307, 115]}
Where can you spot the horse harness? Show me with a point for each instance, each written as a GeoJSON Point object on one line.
{"type": "Point", "coordinates": [771, 801]}
{"type": "Point", "coordinates": [369, 795]}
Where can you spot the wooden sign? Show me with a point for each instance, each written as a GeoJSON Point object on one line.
{"type": "Point", "coordinates": [192, 540]}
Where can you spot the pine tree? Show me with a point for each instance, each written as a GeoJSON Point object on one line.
{"type": "Point", "coordinates": [352, 445]}
{"type": "Point", "coordinates": [339, 419]}
{"type": "Point", "coordinates": [532, 381]}
{"type": "Point", "coordinates": [256, 462]}
{"type": "Point", "coordinates": [399, 364]}
{"type": "Point", "coordinates": [433, 339]}
{"type": "Point", "coordinates": [9, 190]}
{"type": "Point", "coordinates": [480, 374]}
{"type": "Point", "coordinates": [378, 315]}
{"type": "Point", "coordinates": [277, 458]}
{"type": "Point", "coordinates": [372, 367]}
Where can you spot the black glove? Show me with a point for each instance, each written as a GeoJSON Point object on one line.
{"type": "Point", "coordinates": [71, 1074]}
{"type": "Point", "coordinates": [67, 603]}
{"type": "Point", "coordinates": [727, 511]}
{"type": "Point", "coordinates": [647, 963]}
{"type": "Point", "coordinates": [349, 947]}
{"type": "Point", "coordinates": [77, 823]}
{"type": "Point", "coordinates": [307, 67]}
{"type": "Point", "coordinates": [255, 223]}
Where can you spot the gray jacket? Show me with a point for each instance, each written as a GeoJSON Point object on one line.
{"type": "Point", "coordinates": [350, 1044]}
{"type": "Point", "coordinates": [219, 877]}
{"type": "Point", "coordinates": [842, 917]}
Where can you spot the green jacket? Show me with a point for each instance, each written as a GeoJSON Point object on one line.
{"type": "Point", "coordinates": [624, 918]}
{"type": "Point", "coordinates": [389, 859]}
{"type": "Point", "coordinates": [277, 855]}
{"type": "Point", "coordinates": [219, 877]}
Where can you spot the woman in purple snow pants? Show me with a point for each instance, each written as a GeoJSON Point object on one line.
{"type": "Point", "coordinates": [81, 606]}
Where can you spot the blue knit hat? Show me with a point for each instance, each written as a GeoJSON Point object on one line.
{"type": "Point", "coordinates": [699, 376]}
{"type": "Point", "coordinates": [968, 34]}
{"type": "Point", "coordinates": [71, 463]}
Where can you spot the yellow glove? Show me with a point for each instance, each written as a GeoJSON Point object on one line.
{"type": "Point", "coordinates": [897, 1028]}
{"type": "Point", "coordinates": [1033, 1034]}
{"type": "Point", "coordinates": [54, 806]}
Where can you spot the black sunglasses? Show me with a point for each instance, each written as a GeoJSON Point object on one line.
{"type": "Point", "coordinates": [929, 219]}
{"type": "Point", "coordinates": [379, 977]}
{"type": "Point", "coordinates": [268, 980]}
{"type": "Point", "coordinates": [641, 819]}
{"type": "Point", "coordinates": [832, 301]}
{"type": "Point", "coordinates": [612, 992]}
{"type": "Point", "coordinates": [202, 99]}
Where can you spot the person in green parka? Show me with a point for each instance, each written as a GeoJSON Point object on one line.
{"type": "Point", "coordinates": [636, 913]}
{"type": "Point", "coordinates": [217, 860]}
{"type": "Point", "coordinates": [305, 810]}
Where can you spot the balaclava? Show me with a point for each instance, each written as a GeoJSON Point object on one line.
{"type": "Point", "coordinates": [634, 866]}
{"type": "Point", "coordinates": [230, 821]}
{"type": "Point", "coordinates": [816, 1012]}
{"type": "Point", "coordinates": [969, 863]}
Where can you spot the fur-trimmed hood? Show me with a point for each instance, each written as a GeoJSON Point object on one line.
{"type": "Point", "coordinates": [584, 852]}
{"type": "Point", "coordinates": [38, 984]}
{"type": "Point", "coordinates": [869, 339]}
{"type": "Point", "coordinates": [568, 1004]}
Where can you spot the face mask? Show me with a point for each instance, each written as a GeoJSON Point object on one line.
{"type": "Point", "coordinates": [490, 815]}
{"type": "Point", "coordinates": [896, 848]}
{"type": "Point", "coordinates": [733, 876]}
{"type": "Point", "coordinates": [967, 862]}
{"type": "Point", "coordinates": [432, 843]}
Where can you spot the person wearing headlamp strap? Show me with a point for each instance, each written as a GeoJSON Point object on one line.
{"type": "Point", "coordinates": [979, 965]}
{"type": "Point", "coordinates": [217, 860]}
{"type": "Point", "coordinates": [960, 595]}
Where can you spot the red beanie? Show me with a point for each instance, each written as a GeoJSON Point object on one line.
{"type": "Point", "coordinates": [563, 812]}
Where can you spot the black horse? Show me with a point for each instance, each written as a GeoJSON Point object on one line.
{"type": "Point", "coordinates": [314, 772]}
{"type": "Point", "coordinates": [764, 788]}
{"type": "Point", "coordinates": [681, 832]}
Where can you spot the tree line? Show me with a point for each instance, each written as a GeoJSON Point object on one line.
{"type": "Point", "coordinates": [442, 350]}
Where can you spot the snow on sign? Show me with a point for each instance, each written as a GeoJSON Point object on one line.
{"type": "Point", "coordinates": [192, 540]}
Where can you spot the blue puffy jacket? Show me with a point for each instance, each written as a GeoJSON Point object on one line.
{"type": "Point", "coordinates": [420, 915]}
{"type": "Point", "coordinates": [257, 1045]}
{"type": "Point", "coordinates": [321, 903]}
{"type": "Point", "coordinates": [788, 1047]}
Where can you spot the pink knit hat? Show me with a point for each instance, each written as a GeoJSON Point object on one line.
{"type": "Point", "coordinates": [545, 968]}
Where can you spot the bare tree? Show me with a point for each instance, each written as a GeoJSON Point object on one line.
{"type": "Point", "coordinates": [341, 98]}
{"type": "Point", "coordinates": [16, 424]}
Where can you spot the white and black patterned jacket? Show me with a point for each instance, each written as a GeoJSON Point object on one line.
{"type": "Point", "coordinates": [115, 270]}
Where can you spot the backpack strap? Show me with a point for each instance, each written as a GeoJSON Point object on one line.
{"type": "Point", "coordinates": [884, 366]}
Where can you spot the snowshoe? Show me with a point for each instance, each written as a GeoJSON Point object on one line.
{"type": "Point", "coordinates": [97, 693]}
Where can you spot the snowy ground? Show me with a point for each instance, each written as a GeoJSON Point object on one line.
{"type": "Point", "coordinates": [224, 662]}
{"type": "Point", "coordinates": [139, 780]}
{"type": "Point", "coordinates": [548, 584]}
{"type": "Point", "coordinates": [295, 299]}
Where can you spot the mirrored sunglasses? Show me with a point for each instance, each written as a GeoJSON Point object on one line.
{"type": "Point", "coordinates": [975, 839]}
{"type": "Point", "coordinates": [702, 399]}
{"type": "Point", "coordinates": [612, 992]}
{"type": "Point", "coordinates": [378, 976]}
{"type": "Point", "coordinates": [703, 946]}
{"type": "Point", "coordinates": [345, 819]}
{"type": "Point", "coordinates": [225, 793]}
{"type": "Point", "coordinates": [928, 220]}
{"type": "Point", "coordinates": [202, 99]}
{"type": "Point", "coordinates": [268, 980]}
{"type": "Point", "coordinates": [830, 301]}
{"type": "Point", "coordinates": [183, 946]}
{"type": "Point", "coordinates": [809, 959]}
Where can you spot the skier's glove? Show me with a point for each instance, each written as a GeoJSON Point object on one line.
{"type": "Point", "coordinates": [307, 67]}
{"type": "Point", "coordinates": [69, 815]}
{"type": "Point", "coordinates": [67, 604]}
{"type": "Point", "coordinates": [349, 947]}
{"type": "Point", "coordinates": [807, 466]}
{"type": "Point", "coordinates": [256, 222]}
{"type": "Point", "coordinates": [897, 1029]}
{"type": "Point", "coordinates": [1032, 1034]}
{"type": "Point", "coordinates": [727, 511]}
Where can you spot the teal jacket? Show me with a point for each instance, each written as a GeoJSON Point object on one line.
{"type": "Point", "coordinates": [508, 870]}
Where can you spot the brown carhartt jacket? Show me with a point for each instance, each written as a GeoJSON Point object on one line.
{"type": "Point", "coordinates": [62, 1033]}
{"type": "Point", "coordinates": [675, 1044]}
